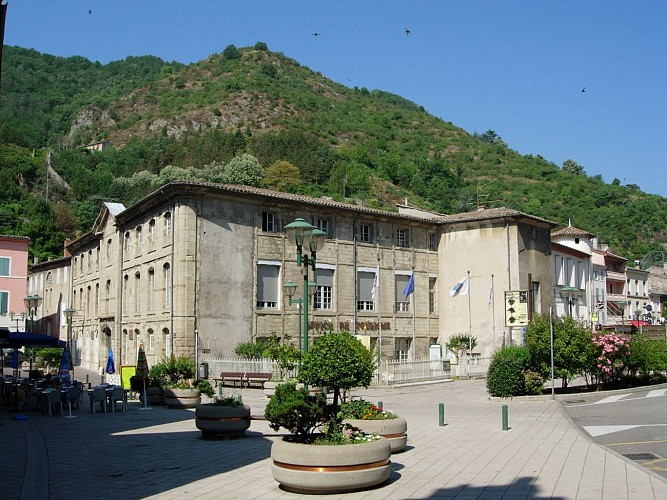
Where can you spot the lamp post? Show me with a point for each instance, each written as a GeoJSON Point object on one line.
{"type": "Point", "coordinates": [69, 313]}
{"type": "Point", "coordinates": [32, 302]}
{"type": "Point", "coordinates": [302, 234]}
{"type": "Point", "coordinates": [18, 317]}
{"type": "Point", "coordinates": [290, 289]}
{"type": "Point", "coordinates": [622, 304]}
{"type": "Point", "coordinates": [569, 297]}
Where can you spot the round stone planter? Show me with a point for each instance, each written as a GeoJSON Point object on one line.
{"type": "Point", "coordinates": [393, 430]}
{"type": "Point", "coordinates": [155, 396]}
{"type": "Point", "coordinates": [322, 469]}
{"type": "Point", "coordinates": [222, 421]}
{"type": "Point", "coordinates": [182, 398]}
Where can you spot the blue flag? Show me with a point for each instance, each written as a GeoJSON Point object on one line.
{"type": "Point", "coordinates": [410, 286]}
{"type": "Point", "coordinates": [111, 367]}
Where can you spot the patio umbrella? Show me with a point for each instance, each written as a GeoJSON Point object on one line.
{"type": "Point", "coordinates": [111, 367]}
{"type": "Point", "coordinates": [63, 370]}
{"type": "Point", "coordinates": [142, 374]}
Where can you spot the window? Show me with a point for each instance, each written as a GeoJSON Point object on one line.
{"type": "Point", "coordinates": [81, 258]}
{"type": "Point", "coordinates": [4, 266]}
{"type": "Point", "coordinates": [402, 348]}
{"type": "Point", "coordinates": [126, 292]}
{"type": "Point", "coordinates": [90, 259]}
{"type": "Point", "coordinates": [581, 281]}
{"type": "Point", "coordinates": [139, 239]}
{"type": "Point", "coordinates": [432, 241]}
{"type": "Point", "coordinates": [137, 292]}
{"type": "Point", "coordinates": [402, 302]}
{"type": "Point", "coordinates": [325, 225]}
{"type": "Point", "coordinates": [167, 224]}
{"type": "Point", "coordinates": [97, 299]}
{"type": "Point", "coordinates": [151, 289]}
{"type": "Point", "coordinates": [402, 238]}
{"type": "Point", "coordinates": [109, 243]}
{"type": "Point", "coordinates": [4, 303]}
{"type": "Point", "coordinates": [151, 340]}
{"type": "Point", "coordinates": [267, 285]}
{"type": "Point", "coordinates": [365, 233]}
{"type": "Point", "coordinates": [128, 242]}
{"type": "Point", "coordinates": [107, 296]}
{"type": "Point", "coordinates": [97, 255]}
{"type": "Point", "coordinates": [166, 275]}
{"type": "Point", "coordinates": [324, 293]}
{"type": "Point", "coordinates": [569, 277]}
{"type": "Point", "coordinates": [49, 278]}
{"type": "Point", "coordinates": [365, 281]}
{"type": "Point", "coordinates": [432, 295]}
{"type": "Point", "coordinates": [268, 222]}
{"type": "Point", "coordinates": [151, 230]}
{"type": "Point", "coordinates": [558, 270]}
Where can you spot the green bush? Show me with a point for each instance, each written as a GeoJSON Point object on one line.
{"type": "Point", "coordinates": [295, 410]}
{"type": "Point", "coordinates": [533, 382]}
{"type": "Point", "coordinates": [250, 350]}
{"type": "Point", "coordinates": [505, 378]}
{"type": "Point", "coordinates": [173, 372]}
{"type": "Point", "coordinates": [231, 52]}
{"type": "Point", "coordinates": [205, 387]}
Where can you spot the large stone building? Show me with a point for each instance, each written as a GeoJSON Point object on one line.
{"type": "Point", "coordinates": [196, 268]}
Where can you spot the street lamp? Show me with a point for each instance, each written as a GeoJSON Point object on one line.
{"type": "Point", "coordinates": [69, 313]}
{"type": "Point", "coordinates": [569, 297]}
{"type": "Point", "coordinates": [18, 317]}
{"type": "Point", "coordinates": [622, 304]}
{"type": "Point", "coordinates": [302, 234]}
{"type": "Point", "coordinates": [32, 302]}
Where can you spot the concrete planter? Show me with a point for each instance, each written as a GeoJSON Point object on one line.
{"type": "Point", "coordinates": [394, 430]}
{"type": "Point", "coordinates": [155, 396]}
{"type": "Point", "coordinates": [222, 421]}
{"type": "Point", "coordinates": [182, 398]}
{"type": "Point", "coordinates": [322, 469]}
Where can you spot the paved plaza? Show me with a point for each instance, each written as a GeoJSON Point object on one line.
{"type": "Point", "coordinates": [159, 453]}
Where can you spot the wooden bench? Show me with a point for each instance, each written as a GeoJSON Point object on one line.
{"type": "Point", "coordinates": [257, 378]}
{"type": "Point", "coordinates": [231, 378]}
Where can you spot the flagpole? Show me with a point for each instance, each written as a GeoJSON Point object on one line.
{"type": "Point", "coordinates": [469, 326]}
{"type": "Point", "coordinates": [377, 292]}
{"type": "Point", "coordinates": [414, 307]}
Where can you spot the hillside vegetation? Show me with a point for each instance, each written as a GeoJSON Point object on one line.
{"type": "Point", "coordinates": [257, 117]}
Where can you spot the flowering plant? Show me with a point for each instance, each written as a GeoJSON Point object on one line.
{"type": "Point", "coordinates": [348, 435]}
{"type": "Point", "coordinates": [613, 351]}
{"type": "Point", "coordinates": [233, 400]}
{"type": "Point", "coordinates": [364, 410]}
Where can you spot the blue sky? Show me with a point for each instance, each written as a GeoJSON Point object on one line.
{"type": "Point", "coordinates": [516, 67]}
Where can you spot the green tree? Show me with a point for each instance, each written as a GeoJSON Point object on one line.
{"type": "Point", "coordinates": [572, 167]}
{"type": "Point", "coordinates": [460, 344]}
{"type": "Point", "coordinates": [282, 176]}
{"type": "Point", "coordinates": [231, 52]}
{"type": "Point", "coordinates": [574, 351]}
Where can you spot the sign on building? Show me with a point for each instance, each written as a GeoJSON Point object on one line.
{"type": "Point", "coordinates": [516, 308]}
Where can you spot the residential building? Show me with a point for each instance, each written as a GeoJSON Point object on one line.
{"type": "Point", "coordinates": [573, 272]}
{"type": "Point", "coordinates": [196, 268]}
{"type": "Point", "coordinates": [637, 294]}
{"type": "Point", "coordinates": [615, 281]}
{"type": "Point", "coordinates": [13, 275]}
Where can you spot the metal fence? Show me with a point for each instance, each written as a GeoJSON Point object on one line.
{"type": "Point", "coordinates": [390, 372]}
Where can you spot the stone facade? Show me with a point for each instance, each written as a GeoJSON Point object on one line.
{"type": "Point", "coordinates": [195, 268]}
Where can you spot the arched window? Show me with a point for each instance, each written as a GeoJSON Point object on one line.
{"type": "Point", "coordinates": [167, 224]}
{"type": "Point", "coordinates": [151, 289]}
{"type": "Point", "coordinates": [166, 271]}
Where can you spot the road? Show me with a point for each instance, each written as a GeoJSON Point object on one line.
{"type": "Point", "coordinates": [633, 424]}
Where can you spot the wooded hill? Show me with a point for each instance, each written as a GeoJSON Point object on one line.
{"type": "Point", "coordinates": [257, 117]}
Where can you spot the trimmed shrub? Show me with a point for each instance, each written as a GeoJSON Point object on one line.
{"type": "Point", "coordinates": [533, 382]}
{"type": "Point", "coordinates": [505, 377]}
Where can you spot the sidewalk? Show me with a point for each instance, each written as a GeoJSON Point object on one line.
{"type": "Point", "coordinates": [160, 454]}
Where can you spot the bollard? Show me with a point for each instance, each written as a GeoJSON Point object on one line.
{"type": "Point", "coordinates": [442, 414]}
{"type": "Point", "coordinates": [101, 379]}
{"type": "Point", "coordinates": [87, 379]}
{"type": "Point", "coordinates": [380, 406]}
{"type": "Point", "coordinates": [505, 418]}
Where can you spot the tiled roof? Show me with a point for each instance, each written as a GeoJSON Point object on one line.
{"type": "Point", "coordinates": [491, 213]}
{"type": "Point", "coordinates": [13, 237]}
{"type": "Point", "coordinates": [571, 231]}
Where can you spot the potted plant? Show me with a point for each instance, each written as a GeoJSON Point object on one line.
{"type": "Point", "coordinates": [226, 416]}
{"type": "Point", "coordinates": [374, 420]}
{"type": "Point", "coordinates": [175, 376]}
{"type": "Point", "coordinates": [323, 455]}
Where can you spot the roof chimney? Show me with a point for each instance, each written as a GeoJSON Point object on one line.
{"type": "Point", "coordinates": [65, 245]}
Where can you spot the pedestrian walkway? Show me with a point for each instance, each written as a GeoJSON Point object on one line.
{"type": "Point", "coordinates": [160, 454]}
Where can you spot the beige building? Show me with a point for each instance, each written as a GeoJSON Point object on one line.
{"type": "Point", "coordinates": [196, 268]}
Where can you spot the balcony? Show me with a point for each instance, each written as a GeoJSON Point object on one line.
{"type": "Point", "coordinates": [615, 276]}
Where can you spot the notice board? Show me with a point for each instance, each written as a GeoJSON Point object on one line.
{"type": "Point", "coordinates": [127, 371]}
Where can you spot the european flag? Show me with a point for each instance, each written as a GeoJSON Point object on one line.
{"type": "Point", "coordinates": [410, 286]}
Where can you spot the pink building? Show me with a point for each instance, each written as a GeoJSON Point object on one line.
{"type": "Point", "coordinates": [13, 280]}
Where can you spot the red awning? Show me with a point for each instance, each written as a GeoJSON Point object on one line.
{"type": "Point", "coordinates": [637, 324]}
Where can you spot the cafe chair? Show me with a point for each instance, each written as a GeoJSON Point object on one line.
{"type": "Point", "coordinates": [99, 395]}
{"type": "Point", "coordinates": [54, 398]}
{"type": "Point", "coordinates": [74, 396]}
{"type": "Point", "coordinates": [118, 395]}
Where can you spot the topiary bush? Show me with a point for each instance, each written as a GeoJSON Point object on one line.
{"type": "Point", "coordinates": [295, 410]}
{"type": "Point", "coordinates": [505, 378]}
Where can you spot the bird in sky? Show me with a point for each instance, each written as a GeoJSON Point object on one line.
{"type": "Point", "coordinates": [407, 31]}
{"type": "Point", "coordinates": [584, 89]}
{"type": "Point", "coordinates": [90, 11]}
{"type": "Point", "coordinates": [316, 34]}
